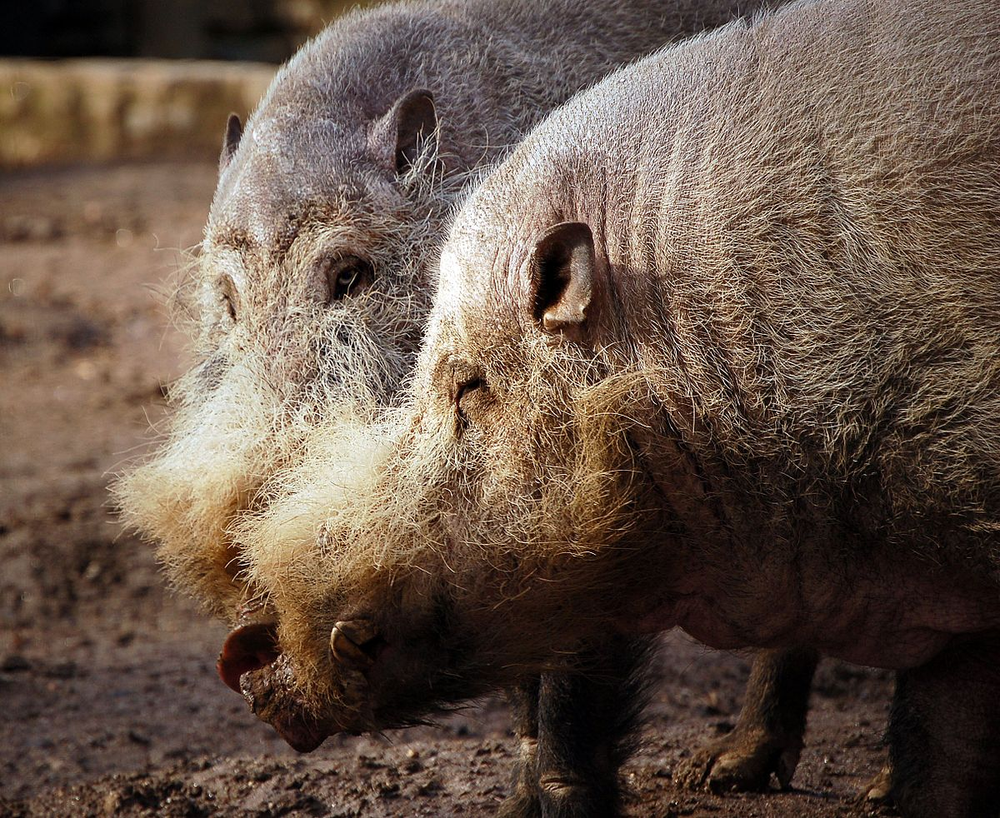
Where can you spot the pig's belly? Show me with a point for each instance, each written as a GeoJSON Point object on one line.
{"type": "Point", "coordinates": [894, 625]}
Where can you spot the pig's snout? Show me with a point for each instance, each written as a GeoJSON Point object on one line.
{"type": "Point", "coordinates": [248, 647]}
{"type": "Point", "coordinates": [355, 644]}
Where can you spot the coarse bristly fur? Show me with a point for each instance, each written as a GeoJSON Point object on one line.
{"type": "Point", "coordinates": [774, 421]}
{"type": "Point", "coordinates": [315, 178]}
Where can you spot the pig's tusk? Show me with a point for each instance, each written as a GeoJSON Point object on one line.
{"type": "Point", "coordinates": [347, 641]}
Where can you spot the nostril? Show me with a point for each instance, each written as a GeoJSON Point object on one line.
{"type": "Point", "coordinates": [247, 648]}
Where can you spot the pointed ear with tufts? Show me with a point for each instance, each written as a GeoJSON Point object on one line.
{"type": "Point", "coordinates": [561, 273]}
{"type": "Point", "coordinates": [398, 136]}
{"type": "Point", "coordinates": [231, 141]}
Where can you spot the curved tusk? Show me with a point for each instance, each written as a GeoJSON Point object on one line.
{"type": "Point", "coordinates": [347, 642]}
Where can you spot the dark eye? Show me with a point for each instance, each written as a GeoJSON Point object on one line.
{"type": "Point", "coordinates": [228, 296]}
{"type": "Point", "coordinates": [467, 394]}
{"type": "Point", "coordinates": [347, 276]}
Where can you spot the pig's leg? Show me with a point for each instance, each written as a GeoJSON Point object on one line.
{"type": "Point", "coordinates": [879, 789]}
{"type": "Point", "coordinates": [768, 735]}
{"type": "Point", "coordinates": [523, 802]}
{"type": "Point", "coordinates": [575, 731]}
{"type": "Point", "coordinates": [944, 733]}
{"type": "Point", "coordinates": [587, 728]}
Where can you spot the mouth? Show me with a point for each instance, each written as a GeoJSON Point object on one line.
{"type": "Point", "coordinates": [251, 663]}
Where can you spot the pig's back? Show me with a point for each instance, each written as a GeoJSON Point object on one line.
{"type": "Point", "coordinates": [803, 223]}
{"type": "Point", "coordinates": [495, 67]}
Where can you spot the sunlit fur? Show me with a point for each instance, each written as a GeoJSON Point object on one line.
{"type": "Point", "coordinates": [288, 363]}
{"type": "Point", "coordinates": [783, 428]}
{"type": "Point", "coordinates": [591, 497]}
{"type": "Point", "coordinates": [312, 178]}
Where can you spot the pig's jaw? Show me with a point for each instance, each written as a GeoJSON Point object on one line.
{"type": "Point", "coordinates": [253, 665]}
{"type": "Point", "coordinates": [270, 693]}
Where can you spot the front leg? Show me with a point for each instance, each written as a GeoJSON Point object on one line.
{"type": "Point", "coordinates": [524, 801]}
{"type": "Point", "coordinates": [588, 727]}
{"type": "Point", "coordinates": [768, 735]}
{"type": "Point", "coordinates": [575, 731]}
{"type": "Point", "coordinates": [944, 733]}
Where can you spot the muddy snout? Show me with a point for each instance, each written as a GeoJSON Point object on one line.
{"type": "Point", "coordinates": [252, 663]}
{"type": "Point", "coordinates": [355, 644]}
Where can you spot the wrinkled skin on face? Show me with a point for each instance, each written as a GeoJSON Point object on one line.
{"type": "Point", "coordinates": [519, 453]}
{"type": "Point", "coordinates": [421, 619]}
{"type": "Point", "coordinates": [720, 402]}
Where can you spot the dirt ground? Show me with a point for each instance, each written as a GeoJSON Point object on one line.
{"type": "Point", "coordinates": [109, 701]}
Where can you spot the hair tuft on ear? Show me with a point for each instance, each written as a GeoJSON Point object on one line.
{"type": "Point", "coordinates": [399, 136]}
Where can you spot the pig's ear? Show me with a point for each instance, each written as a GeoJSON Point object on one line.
{"type": "Point", "coordinates": [561, 279]}
{"type": "Point", "coordinates": [231, 141]}
{"type": "Point", "coordinates": [399, 135]}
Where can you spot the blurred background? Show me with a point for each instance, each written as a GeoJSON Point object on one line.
{"type": "Point", "coordinates": [259, 30]}
{"type": "Point", "coordinates": [112, 79]}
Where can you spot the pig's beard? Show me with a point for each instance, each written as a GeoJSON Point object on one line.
{"type": "Point", "coordinates": [186, 496]}
{"type": "Point", "coordinates": [225, 453]}
{"type": "Point", "coordinates": [433, 520]}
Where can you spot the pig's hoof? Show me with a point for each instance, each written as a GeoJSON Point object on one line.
{"type": "Point", "coordinates": [879, 789]}
{"type": "Point", "coordinates": [740, 762]}
{"type": "Point", "coordinates": [573, 796]}
{"type": "Point", "coordinates": [522, 804]}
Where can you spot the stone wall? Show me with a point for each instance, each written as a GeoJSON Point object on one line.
{"type": "Point", "coordinates": [108, 109]}
{"type": "Point", "coordinates": [98, 80]}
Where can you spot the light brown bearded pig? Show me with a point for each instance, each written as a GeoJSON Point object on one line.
{"type": "Point", "coordinates": [311, 292]}
{"type": "Point", "coordinates": [716, 347]}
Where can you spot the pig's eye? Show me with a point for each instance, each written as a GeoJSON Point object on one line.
{"type": "Point", "coordinates": [467, 395]}
{"type": "Point", "coordinates": [228, 297]}
{"type": "Point", "coordinates": [347, 276]}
